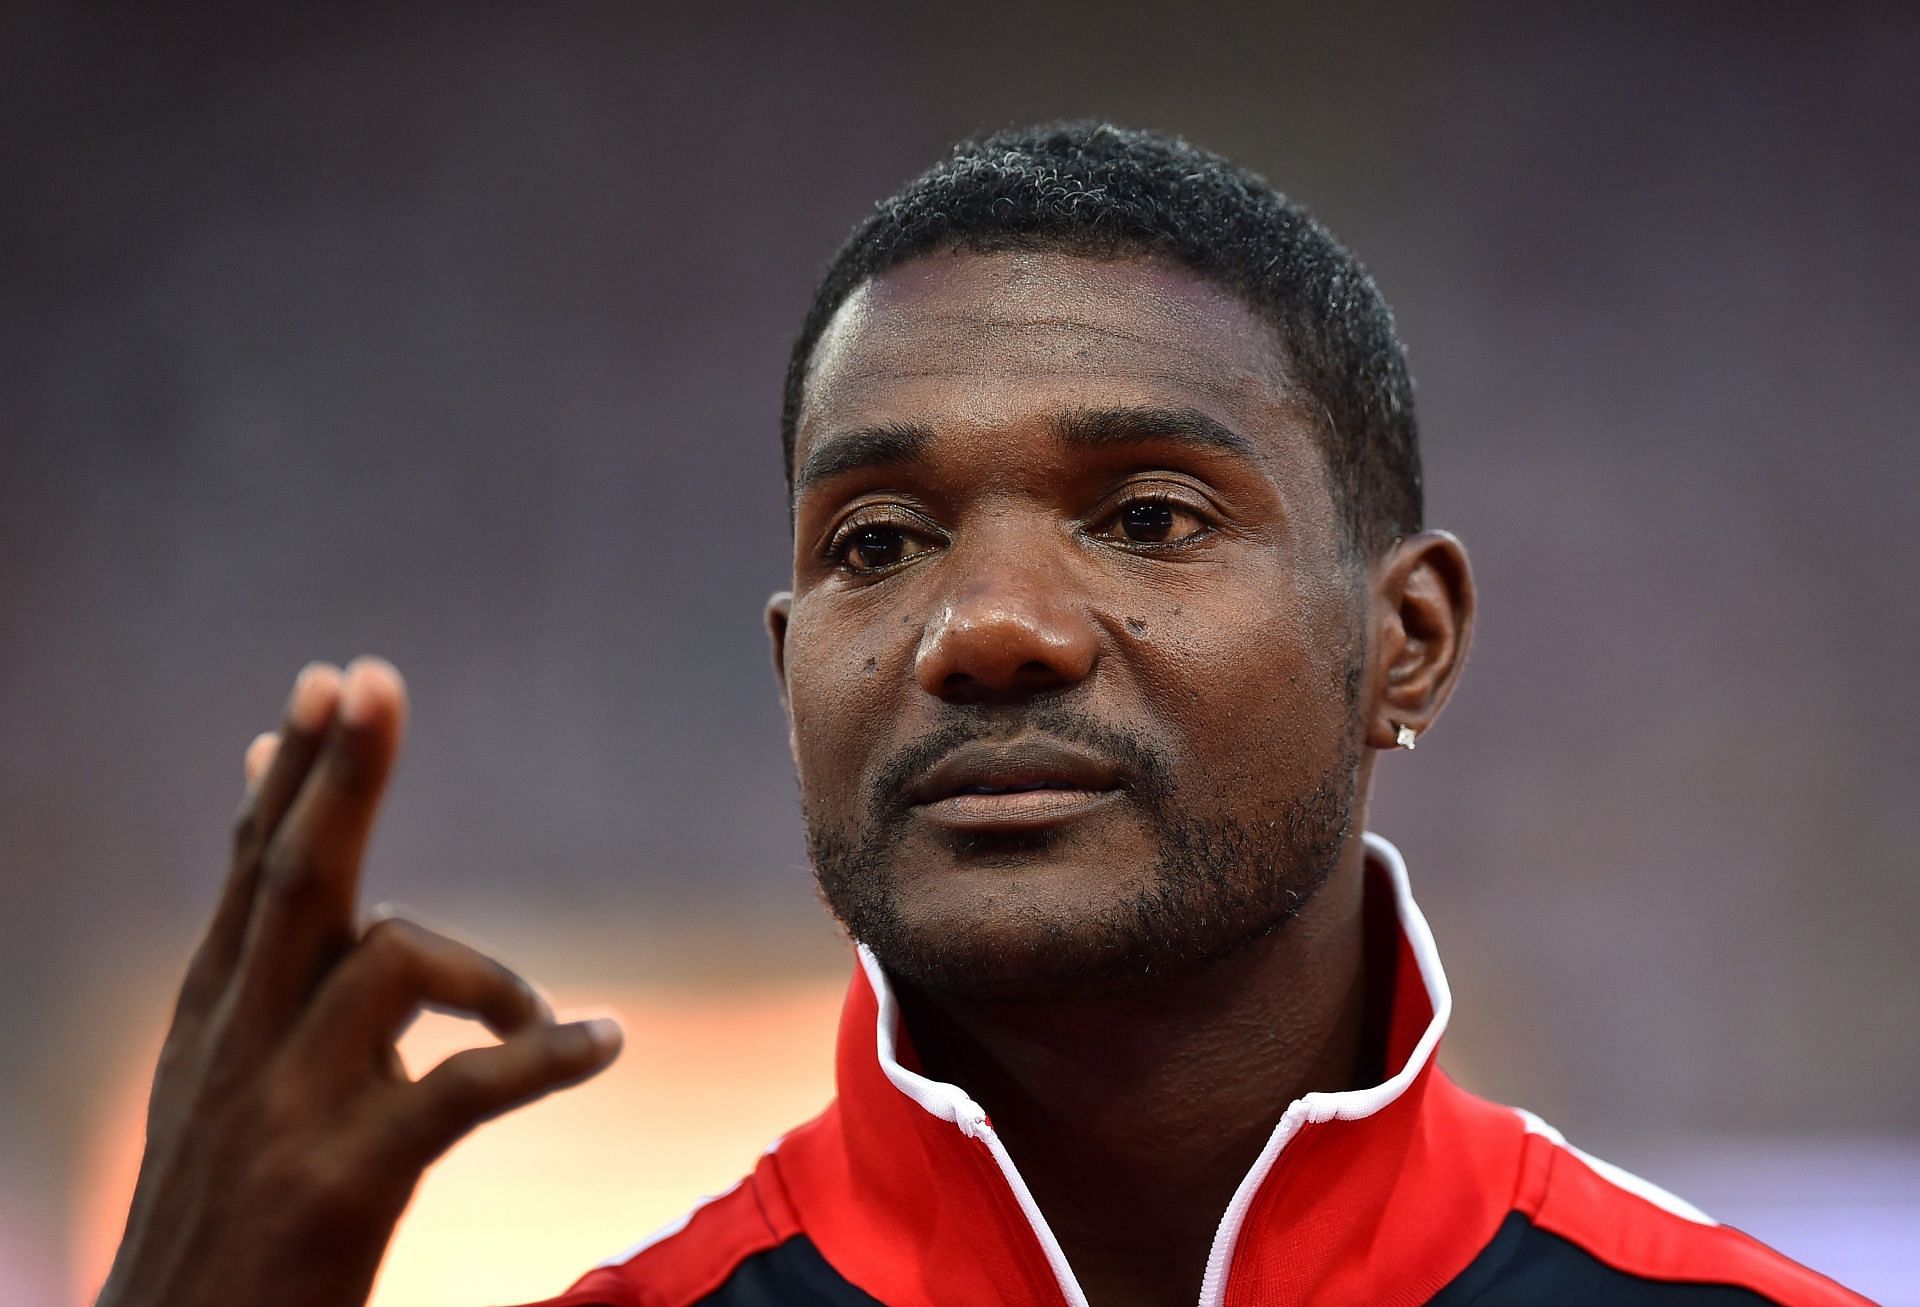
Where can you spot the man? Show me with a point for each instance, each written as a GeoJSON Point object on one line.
{"type": "Point", "coordinates": [1110, 586]}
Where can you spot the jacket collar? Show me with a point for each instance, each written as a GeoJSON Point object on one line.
{"type": "Point", "coordinates": [925, 1205]}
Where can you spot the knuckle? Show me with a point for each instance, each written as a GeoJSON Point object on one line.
{"type": "Point", "coordinates": [291, 871]}
{"type": "Point", "coordinates": [502, 979]}
{"type": "Point", "coordinates": [346, 770]}
{"type": "Point", "coordinates": [198, 988]}
{"type": "Point", "coordinates": [177, 1055]}
{"type": "Point", "coordinates": [249, 832]}
{"type": "Point", "coordinates": [392, 939]}
{"type": "Point", "coordinates": [227, 1069]}
{"type": "Point", "coordinates": [464, 1091]}
{"type": "Point", "coordinates": [379, 933]}
{"type": "Point", "coordinates": [390, 949]}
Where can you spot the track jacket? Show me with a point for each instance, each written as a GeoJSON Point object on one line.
{"type": "Point", "coordinates": [1412, 1191]}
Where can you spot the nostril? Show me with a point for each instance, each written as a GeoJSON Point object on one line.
{"type": "Point", "coordinates": [1035, 674]}
{"type": "Point", "coordinates": [957, 684]}
{"type": "Point", "coordinates": [1025, 681]}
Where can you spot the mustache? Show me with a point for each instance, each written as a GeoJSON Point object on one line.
{"type": "Point", "coordinates": [1144, 769]}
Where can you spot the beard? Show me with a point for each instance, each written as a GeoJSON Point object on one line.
{"type": "Point", "coordinates": [1217, 879]}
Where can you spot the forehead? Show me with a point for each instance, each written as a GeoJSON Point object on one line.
{"type": "Point", "coordinates": [985, 338]}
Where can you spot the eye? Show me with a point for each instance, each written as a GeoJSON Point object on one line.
{"type": "Point", "coordinates": [876, 546]}
{"type": "Point", "coordinates": [1155, 520]}
{"type": "Point", "coordinates": [1147, 522]}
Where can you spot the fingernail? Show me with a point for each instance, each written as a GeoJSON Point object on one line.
{"type": "Point", "coordinates": [605, 1033]}
{"type": "Point", "coordinates": [356, 702]}
{"type": "Point", "coordinates": [358, 698]}
{"type": "Point", "coordinates": [259, 755]}
{"type": "Point", "coordinates": [307, 708]}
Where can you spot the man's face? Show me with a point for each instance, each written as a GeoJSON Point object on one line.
{"type": "Point", "coordinates": [1073, 651]}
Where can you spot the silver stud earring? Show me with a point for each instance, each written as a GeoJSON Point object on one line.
{"type": "Point", "coordinates": [1405, 737]}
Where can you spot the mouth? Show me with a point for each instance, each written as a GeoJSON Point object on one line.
{"type": "Point", "coordinates": [1022, 786]}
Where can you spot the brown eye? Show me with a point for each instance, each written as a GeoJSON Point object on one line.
{"type": "Point", "coordinates": [1147, 522]}
{"type": "Point", "coordinates": [1156, 520]}
{"type": "Point", "coordinates": [876, 546]}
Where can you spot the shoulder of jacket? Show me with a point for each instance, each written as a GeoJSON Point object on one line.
{"type": "Point", "coordinates": [690, 1258]}
{"type": "Point", "coordinates": [1642, 1230]}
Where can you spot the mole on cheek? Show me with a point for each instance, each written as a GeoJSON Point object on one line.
{"type": "Point", "coordinates": [872, 666]}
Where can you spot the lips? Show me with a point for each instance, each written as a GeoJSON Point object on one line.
{"type": "Point", "coordinates": [1020, 785]}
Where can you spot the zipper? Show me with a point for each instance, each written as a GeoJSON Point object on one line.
{"type": "Point", "coordinates": [972, 1120]}
{"type": "Point", "coordinates": [1226, 1237]}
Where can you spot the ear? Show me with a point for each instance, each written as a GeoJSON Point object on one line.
{"type": "Point", "coordinates": [1422, 615]}
{"type": "Point", "coordinates": [779, 609]}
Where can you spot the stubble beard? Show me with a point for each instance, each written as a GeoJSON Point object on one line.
{"type": "Point", "coordinates": [1216, 882]}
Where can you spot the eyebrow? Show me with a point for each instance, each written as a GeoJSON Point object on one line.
{"type": "Point", "coordinates": [888, 445]}
{"type": "Point", "coordinates": [1111, 428]}
{"type": "Point", "coordinates": [893, 444]}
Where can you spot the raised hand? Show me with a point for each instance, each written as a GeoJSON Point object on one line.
{"type": "Point", "coordinates": [284, 1137]}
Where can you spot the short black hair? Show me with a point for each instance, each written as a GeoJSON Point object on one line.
{"type": "Point", "coordinates": [1110, 192]}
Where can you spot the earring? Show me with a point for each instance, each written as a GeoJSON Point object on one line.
{"type": "Point", "coordinates": [1405, 737]}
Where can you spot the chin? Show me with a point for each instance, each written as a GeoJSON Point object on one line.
{"type": "Point", "coordinates": [1095, 906]}
{"type": "Point", "coordinates": [998, 938]}
{"type": "Point", "coordinates": [1004, 962]}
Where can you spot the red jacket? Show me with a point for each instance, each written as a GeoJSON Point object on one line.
{"type": "Point", "coordinates": [1412, 1191]}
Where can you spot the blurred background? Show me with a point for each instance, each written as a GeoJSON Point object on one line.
{"type": "Point", "coordinates": [456, 334]}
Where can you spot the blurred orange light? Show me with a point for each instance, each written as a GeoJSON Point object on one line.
{"type": "Point", "coordinates": [523, 1207]}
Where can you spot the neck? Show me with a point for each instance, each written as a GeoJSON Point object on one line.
{"type": "Point", "coordinates": [1134, 1116]}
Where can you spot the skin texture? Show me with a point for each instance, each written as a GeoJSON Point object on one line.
{"type": "Point", "coordinates": [972, 567]}
{"type": "Point", "coordinates": [284, 1137]}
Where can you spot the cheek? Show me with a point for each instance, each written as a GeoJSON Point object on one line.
{"type": "Point", "coordinates": [1256, 685]}
{"type": "Point", "coordinates": [842, 704]}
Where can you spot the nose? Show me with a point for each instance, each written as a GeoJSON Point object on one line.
{"type": "Point", "coordinates": [1006, 633]}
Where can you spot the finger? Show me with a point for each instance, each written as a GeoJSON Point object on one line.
{"type": "Point", "coordinates": [397, 967]}
{"type": "Point", "coordinates": [310, 712]}
{"type": "Point", "coordinates": [303, 920]}
{"type": "Point", "coordinates": [480, 1083]}
{"type": "Point", "coordinates": [310, 708]}
{"type": "Point", "coordinates": [259, 754]}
